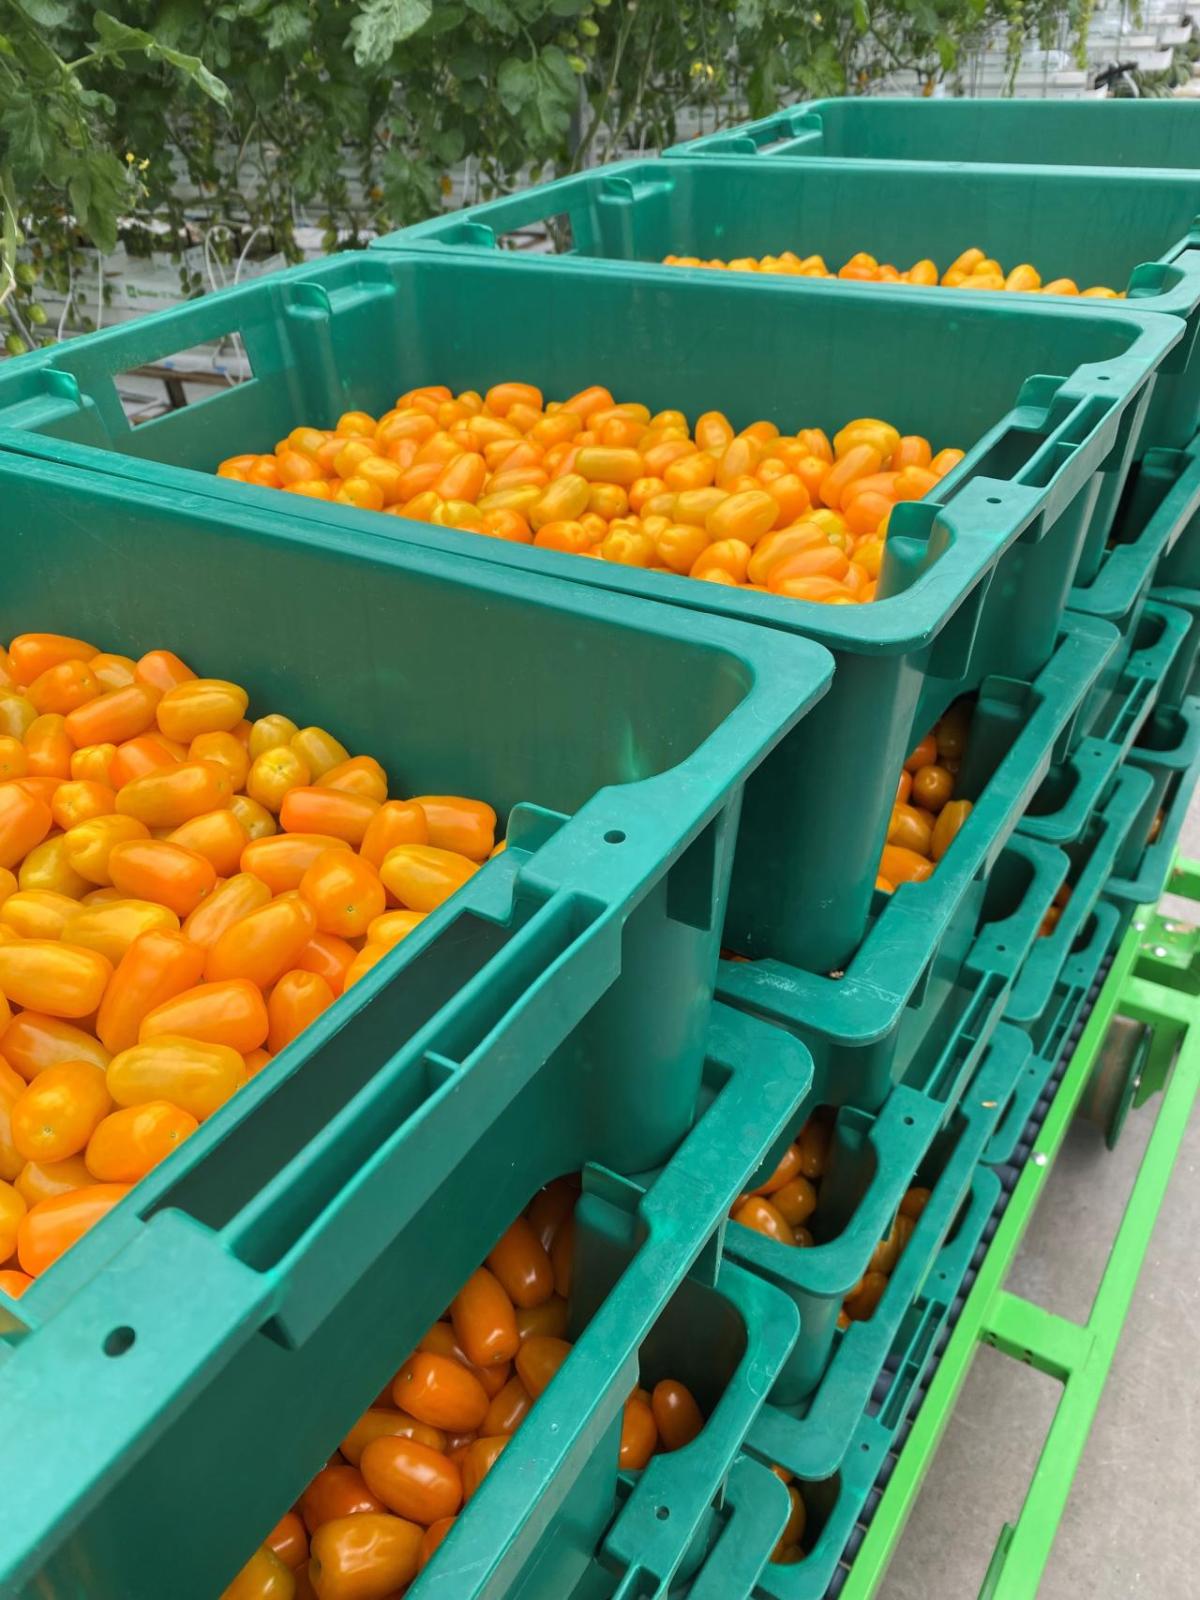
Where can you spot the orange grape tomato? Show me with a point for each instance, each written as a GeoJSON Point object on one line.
{"type": "Point", "coordinates": [550, 1207]}
{"type": "Point", "coordinates": [550, 1319]}
{"type": "Point", "coordinates": [157, 965]}
{"type": "Point", "coordinates": [412, 1479]}
{"type": "Point", "coordinates": [345, 892]}
{"type": "Point", "coordinates": [115, 716]}
{"type": "Point", "coordinates": [47, 749]}
{"type": "Point", "coordinates": [538, 1359]}
{"type": "Point", "coordinates": [434, 1534]}
{"type": "Point", "coordinates": [333, 812]}
{"type": "Point", "coordinates": [79, 801]}
{"type": "Point", "coordinates": [47, 866]}
{"type": "Point", "coordinates": [784, 1170]}
{"type": "Point", "coordinates": [392, 926]}
{"type": "Point", "coordinates": [381, 1421]}
{"type": "Point", "coordinates": [12, 1209]}
{"type": "Point", "coordinates": [163, 670]}
{"type": "Point", "coordinates": [860, 1305]}
{"type": "Point", "coordinates": [440, 1392]}
{"type": "Point", "coordinates": [297, 999]}
{"type": "Point", "coordinates": [62, 980]}
{"type": "Point", "coordinates": [31, 1042]}
{"type": "Point", "coordinates": [522, 1266]}
{"type": "Point", "coordinates": [508, 1408]}
{"type": "Point", "coordinates": [165, 873]}
{"type": "Point", "coordinates": [910, 828]}
{"type": "Point", "coordinates": [235, 898]}
{"type": "Point", "coordinates": [44, 1180]}
{"type": "Point", "coordinates": [795, 1201]}
{"type": "Point", "coordinates": [931, 787]}
{"type": "Point", "coordinates": [480, 1457]}
{"type": "Point", "coordinates": [264, 1577]}
{"type": "Point", "coordinates": [110, 926]}
{"type": "Point", "coordinates": [758, 1213]}
{"type": "Point", "coordinates": [467, 827]}
{"type": "Point", "coordinates": [218, 836]}
{"type": "Point", "coordinates": [950, 820]}
{"type": "Point", "coordinates": [904, 787]}
{"type": "Point", "coordinates": [273, 774]}
{"type": "Point", "coordinates": [112, 671]}
{"type": "Point", "coordinates": [484, 1320]}
{"type": "Point", "coordinates": [925, 754]}
{"type": "Point", "coordinates": [676, 1414]}
{"type": "Point", "coordinates": [24, 822]}
{"type": "Point", "coordinates": [174, 795]}
{"type": "Point", "coordinates": [914, 1202]}
{"type": "Point", "coordinates": [14, 1284]}
{"type": "Point", "coordinates": [52, 1226]}
{"type": "Point", "coordinates": [196, 1077]}
{"type": "Point", "coordinates": [227, 750]}
{"type": "Point", "coordinates": [201, 705]}
{"type": "Point", "coordinates": [88, 846]}
{"type": "Point", "coordinates": [898, 865]}
{"type": "Point", "coordinates": [128, 1143]}
{"type": "Point", "coordinates": [59, 1111]}
{"type": "Point", "coordinates": [264, 944]}
{"type": "Point", "coordinates": [270, 733]}
{"type": "Point", "coordinates": [336, 1491]}
{"type": "Point", "coordinates": [282, 859]}
{"type": "Point", "coordinates": [360, 775]}
{"type": "Point", "coordinates": [135, 758]}
{"type": "Point", "coordinates": [31, 654]}
{"type": "Point", "coordinates": [639, 1434]}
{"type": "Point", "coordinates": [231, 1013]}
{"type": "Point", "coordinates": [421, 877]}
{"type": "Point", "coordinates": [60, 689]}
{"type": "Point", "coordinates": [365, 1557]}
{"type": "Point", "coordinates": [329, 957]}
{"type": "Point", "coordinates": [14, 763]}
{"type": "Point", "coordinates": [37, 913]}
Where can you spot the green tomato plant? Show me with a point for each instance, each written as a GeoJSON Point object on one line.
{"type": "Point", "coordinates": [238, 124]}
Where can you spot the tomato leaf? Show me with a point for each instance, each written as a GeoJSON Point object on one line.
{"type": "Point", "coordinates": [383, 24]}
{"type": "Point", "coordinates": [117, 39]}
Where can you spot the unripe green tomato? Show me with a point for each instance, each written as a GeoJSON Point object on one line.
{"type": "Point", "coordinates": [15, 345]}
{"type": "Point", "coordinates": [37, 315]}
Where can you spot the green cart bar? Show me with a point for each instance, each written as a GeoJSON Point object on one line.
{"type": "Point", "coordinates": [1153, 981]}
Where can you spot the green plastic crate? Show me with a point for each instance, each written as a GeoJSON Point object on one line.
{"type": "Point", "coordinates": [1055, 1027]}
{"type": "Point", "coordinates": [976, 585]}
{"type": "Point", "coordinates": [1136, 232]}
{"type": "Point", "coordinates": [836, 1499]}
{"type": "Point", "coordinates": [1168, 753]}
{"type": "Point", "coordinates": [1093, 856]}
{"type": "Point", "coordinates": [578, 963]}
{"type": "Point", "coordinates": [917, 1001]}
{"type": "Point", "coordinates": [671, 1512]}
{"type": "Point", "coordinates": [1037, 133]}
{"type": "Point", "coordinates": [1162, 500]}
{"type": "Point", "coordinates": [1183, 678]}
{"type": "Point", "coordinates": [306, 1399]}
{"type": "Point", "coordinates": [737, 1564]}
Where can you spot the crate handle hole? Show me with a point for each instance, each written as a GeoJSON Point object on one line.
{"type": "Point", "coordinates": [119, 1341]}
{"type": "Point", "coordinates": [662, 1512]}
{"type": "Point", "coordinates": [614, 836]}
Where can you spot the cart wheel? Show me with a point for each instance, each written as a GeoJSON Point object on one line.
{"type": "Point", "coordinates": [1114, 1082]}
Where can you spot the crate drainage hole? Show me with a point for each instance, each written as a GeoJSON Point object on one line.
{"type": "Point", "coordinates": [119, 1341]}
{"type": "Point", "coordinates": [614, 836]}
{"type": "Point", "coordinates": [662, 1512]}
{"type": "Point", "coordinates": [994, 500]}
{"type": "Point", "coordinates": [908, 1122]}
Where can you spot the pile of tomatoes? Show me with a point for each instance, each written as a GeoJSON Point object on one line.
{"type": "Point", "coordinates": [379, 1508]}
{"type": "Point", "coordinates": [926, 818]}
{"type": "Point", "coordinates": [182, 892]}
{"type": "Point", "coordinates": [796, 515]}
{"type": "Point", "coordinates": [972, 270]}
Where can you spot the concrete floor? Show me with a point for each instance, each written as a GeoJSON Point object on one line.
{"type": "Point", "coordinates": [1131, 1527]}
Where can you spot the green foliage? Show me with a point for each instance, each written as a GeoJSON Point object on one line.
{"type": "Point", "coordinates": [227, 120]}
